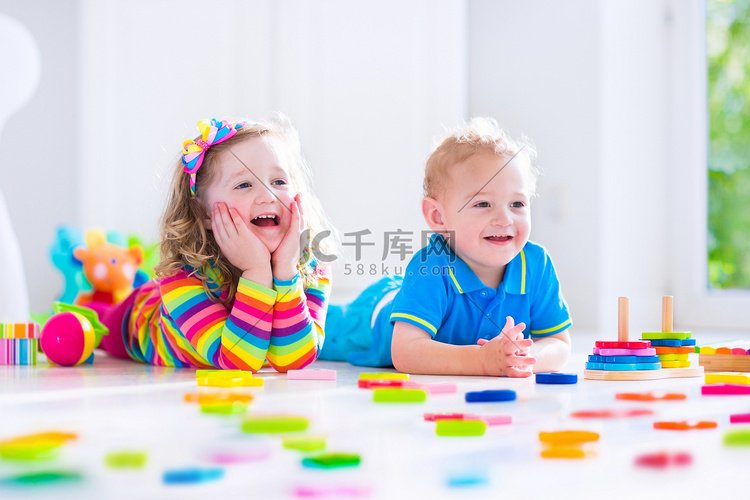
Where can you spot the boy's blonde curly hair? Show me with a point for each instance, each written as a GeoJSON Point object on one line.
{"type": "Point", "coordinates": [184, 240]}
{"type": "Point", "coordinates": [480, 134]}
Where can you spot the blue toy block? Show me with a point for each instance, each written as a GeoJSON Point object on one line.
{"type": "Point", "coordinates": [490, 396]}
{"type": "Point", "coordinates": [630, 359]}
{"type": "Point", "coordinates": [672, 342]}
{"type": "Point", "coordinates": [192, 475]}
{"type": "Point", "coordinates": [623, 366]}
{"type": "Point", "coordinates": [556, 378]}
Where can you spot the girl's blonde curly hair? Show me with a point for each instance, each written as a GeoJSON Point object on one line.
{"type": "Point", "coordinates": [185, 242]}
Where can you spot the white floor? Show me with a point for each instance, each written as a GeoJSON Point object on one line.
{"type": "Point", "coordinates": [119, 405]}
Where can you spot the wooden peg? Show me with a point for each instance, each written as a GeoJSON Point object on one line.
{"type": "Point", "coordinates": [622, 318]}
{"type": "Point", "coordinates": [666, 313]}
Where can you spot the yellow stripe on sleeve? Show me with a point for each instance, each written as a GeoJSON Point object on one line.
{"type": "Point", "coordinates": [414, 318]}
{"type": "Point", "coordinates": [539, 332]}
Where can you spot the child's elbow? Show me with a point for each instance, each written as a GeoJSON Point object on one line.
{"type": "Point", "coordinates": [400, 358]}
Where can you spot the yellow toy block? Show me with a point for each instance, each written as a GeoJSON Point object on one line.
{"type": "Point", "coordinates": [234, 382]}
{"type": "Point", "coordinates": [707, 350]}
{"type": "Point", "coordinates": [675, 364]}
{"type": "Point", "coordinates": [673, 357]}
{"type": "Point", "coordinates": [568, 437]}
{"type": "Point", "coordinates": [384, 376]}
{"type": "Point", "coordinates": [564, 452]}
{"type": "Point", "coordinates": [728, 378]}
{"type": "Point", "coordinates": [230, 381]}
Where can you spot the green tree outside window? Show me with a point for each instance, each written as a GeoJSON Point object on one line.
{"type": "Point", "coordinates": [728, 38]}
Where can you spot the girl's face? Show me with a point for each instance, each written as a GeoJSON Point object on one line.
{"type": "Point", "coordinates": [260, 190]}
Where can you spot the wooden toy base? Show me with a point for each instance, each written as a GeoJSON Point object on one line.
{"type": "Point", "coordinates": [693, 371]}
{"type": "Point", "coordinates": [724, 362]}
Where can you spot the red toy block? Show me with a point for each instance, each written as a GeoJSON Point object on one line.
{"type": "Point", "coordinates": [663, 459]}
{"type": "Point", "coordinates": [637, 412]}
{"type": "Point", "coordinates": [684, 425]}
{"type": "Point", "coordinates": [372, 383]}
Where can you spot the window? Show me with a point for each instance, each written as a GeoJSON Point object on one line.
{"type": "Point", "coordinates": [700, 303]}
{"type": "Point", "coordinates": [728, 79]}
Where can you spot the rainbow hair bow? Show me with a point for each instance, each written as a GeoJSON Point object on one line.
{"type": "Point", "coordinates": [212, 132]}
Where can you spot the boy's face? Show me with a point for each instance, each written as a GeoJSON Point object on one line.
{"type": "Point", "coordinates": [484, 213]}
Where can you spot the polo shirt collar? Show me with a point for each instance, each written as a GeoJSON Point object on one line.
{"type": "Point", "coordinates": [514, 280]}
{"type": "Point", "coordinates": [465, 280]}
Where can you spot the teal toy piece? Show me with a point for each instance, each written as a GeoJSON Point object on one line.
{"type": "Point", "coordinates": [68, 239]}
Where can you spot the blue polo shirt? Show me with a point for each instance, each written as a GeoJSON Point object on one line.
{"type": "Point", "coordinates": [442, 296]}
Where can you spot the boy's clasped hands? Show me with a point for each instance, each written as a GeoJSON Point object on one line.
{"type": "Point", "coordinates": [508, 353]}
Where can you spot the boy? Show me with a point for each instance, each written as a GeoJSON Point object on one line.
{"type": "Point", "coordinates": [454, 313]}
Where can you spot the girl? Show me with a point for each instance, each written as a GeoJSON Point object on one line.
{"type": "Point", "coordinates": [240, 280]}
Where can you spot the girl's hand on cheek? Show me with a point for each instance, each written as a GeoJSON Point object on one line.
{"type": "Point", "coordinates": [284, 260]}
{"type": "Point", "coordinates": [237, 242]}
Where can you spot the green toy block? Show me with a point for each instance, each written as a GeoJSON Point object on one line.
{"type": "Point", "coordinates": [40, 478]}
{"type": "Point", "coordinates": [304, 443]}
{"type": "Point", "coordinates": [233, 408]}
{"type": "Point", "coordinates": [399, 395]}
{"type": "Point", "coordinates": [449, 427]}
{"type": "Point", "coordinates": [332, 460]}
{"type": "Point", "coordinates": [737, 437]}
{"type": "Point", "coordinates": [665, 335]}
{"type": "Point", "coordinates": [126, 459]}
{"type": "Point", "coordinates": [275, 424]}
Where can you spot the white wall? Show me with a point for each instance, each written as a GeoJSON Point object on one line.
{"type": "Point", "coordinates": [368, 84]}
{"type": "Point", "coordinates": [541, 77]}
{"type": "Point", "coordinates": [39, 154]}
{"type": "Point", "coordinates": [585, 80]}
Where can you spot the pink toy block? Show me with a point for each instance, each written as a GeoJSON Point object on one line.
{"type": "Point", "coordinates": [739, 418]}
{"type": "Point", "coordinates": [648, 351]}
{"type": "Point", "coordinates": [489, 419]}
{"type": "Point", "coordinates": [725, 389]}
{"type": "Point", "coordinates": [432, 417]}
{"type": "Point", "coordinates": [440, 388]}
{"type": "Point", "coordinates": [738, 351]}
{"type": "Point", "coordinates": [311, 374]}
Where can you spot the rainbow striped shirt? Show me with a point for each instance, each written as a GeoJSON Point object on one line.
{"type": "Point", "coordinates": [174, 322]}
